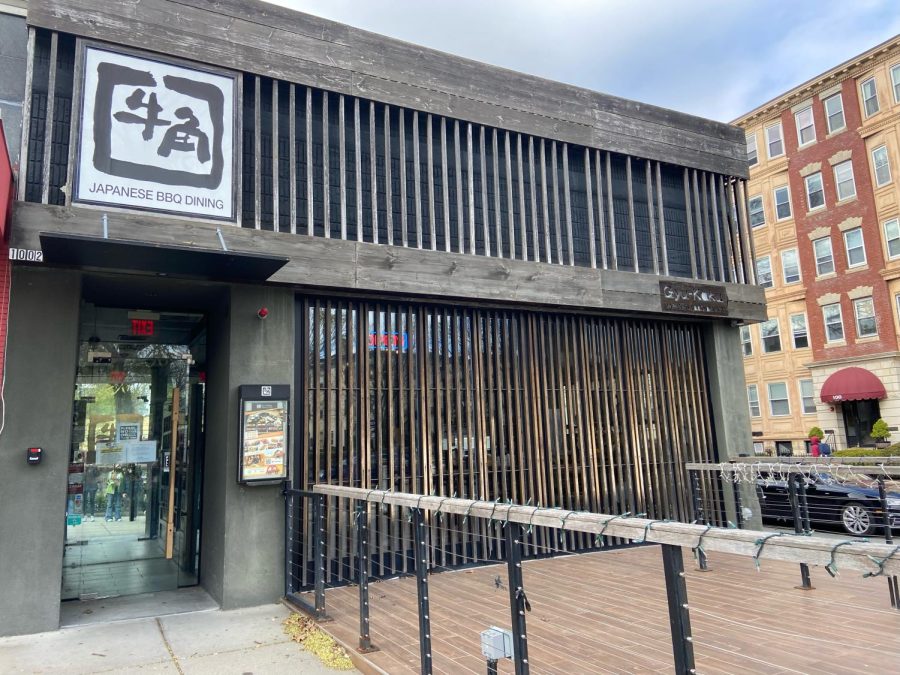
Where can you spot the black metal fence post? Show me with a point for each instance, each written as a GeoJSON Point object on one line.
{"type": "Point", "coordinates": [805, 584]}
{"type": "Point", "coordinates": [517, 599]}
{"type": "Point", "coordinates": [679, 614]}
{"type": "Point", "coordinates": [804, 505]}
{"type": "Point", "coordinates": [889, 539]}
{"type": "Point", "coordinates": [422, 590]}
{"type": "Point", "coordinates": [698, 517]}
{"type": "Point", "coordinates": [319, 554]}
{"type": "Point", "coordinates": [362, 568]}
{"type": "Point", "coordinates": [738, 505]}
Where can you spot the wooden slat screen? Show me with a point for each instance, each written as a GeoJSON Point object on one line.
{"type": "Point", "coordinates": [581, 412]}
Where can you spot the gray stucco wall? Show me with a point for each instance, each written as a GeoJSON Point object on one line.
{"type": "Point", "coordinates": [13, 46]}
{"type": "Point", "coordinates": [40, 376]}
{"type": "Point", "coordinates": [243, 527]}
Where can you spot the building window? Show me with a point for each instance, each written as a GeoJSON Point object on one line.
{"type": "Point", "coordinates": [815, 192]}
{"type": "Point", "coordinates": [752, 153]}
{"type": "Point", "coordinates": [764, 272]}
{"type": "Point", "coordinates": [807, 398]}
{"type": "Point", "coordinates": [774, 141]}
{"type": "Point", "coordinates": [843, 179]}
{"type": "Point", "coordinates": [779, 405]}
{"type": "Point", "coordinates": [895, 81]}
{"type": "Point", "coordinates": [870, 96]}
{"type": "Point", "coordinates": [757, 214]}
{"type": "Point", "coordinates": [799, 332]}
{"type": "Point", "coordinates": [882, 166]}
{"type": "Point", "coordinates": [746, 342]}
{"type": "Point", "coordinates": [856, 251]}
{"type": "Point", "coordinates": [824, 256]}
{"type": "Point", "coordinates": [782, 203]}
{"type": "Point", "coordinates": [753, 400]}
{"type": "Point", "coordinates": [790, 266]}
{"type": "Point", "coordinates": [770, 336]}
{"type": "Point", "coordinates": [834, 323]}
{"type": "Point", "coordinates": [892, 235]}
{"type": "Point", "coordinates": [784, 448]}
{"type": "Point", "coordinates": [834, 112]}
{"type": "Point", "coordinates": [806, 127]}
{"type": "Point", "coordinates": [864, 309]}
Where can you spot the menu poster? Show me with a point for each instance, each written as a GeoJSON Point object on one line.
{"type": "Point", "coordinates": [264, 434]}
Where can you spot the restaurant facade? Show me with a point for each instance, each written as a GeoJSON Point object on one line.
{"type": "Point", "coordinates": [250, 246]}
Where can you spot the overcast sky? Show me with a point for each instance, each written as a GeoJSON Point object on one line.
{"type": "Point", "coordinates": [715, 58]}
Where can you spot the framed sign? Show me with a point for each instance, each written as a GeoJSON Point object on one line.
{"type": "Point", "coordinates": [263, 454]}
{"type": "Point", "coordinates": [155, 135]}
{"type": "Point", "coordinates": [690, 298]}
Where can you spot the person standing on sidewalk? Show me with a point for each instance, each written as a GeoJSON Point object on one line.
{"type": "Point", "coordinates": [114, 494]}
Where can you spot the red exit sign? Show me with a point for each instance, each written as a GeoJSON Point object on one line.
{"type": "Point", "coordinates": [142, 327]}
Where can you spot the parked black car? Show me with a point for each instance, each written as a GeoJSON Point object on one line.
{"type": "Point", "coordinates": [853, 506]}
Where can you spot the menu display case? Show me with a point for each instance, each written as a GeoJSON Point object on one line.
{"type": "Point", "coordinates": [263, 452]}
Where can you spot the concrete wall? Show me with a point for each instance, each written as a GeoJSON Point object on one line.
{"type": "Point", "coordinates": [243, 527]}
{"type": "Point", "coordinates": [13, 47]}
{"type": "Point", "coordinates": [40, 376]}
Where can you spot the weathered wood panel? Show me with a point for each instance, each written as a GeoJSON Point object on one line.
{"type": "Point", "coordinates": [263, 39]}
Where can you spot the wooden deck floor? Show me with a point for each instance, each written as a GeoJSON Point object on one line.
{"type": "Point", "coordinates": [606, 613]}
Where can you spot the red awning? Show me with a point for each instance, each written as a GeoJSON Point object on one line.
{"type": "Point", "coordinates": [6, 186]}
{"type": "Point", "coordinates": [852, 384]}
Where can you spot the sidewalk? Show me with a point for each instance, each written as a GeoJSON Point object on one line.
{"type": "Point", "coordinates": [239, 641]}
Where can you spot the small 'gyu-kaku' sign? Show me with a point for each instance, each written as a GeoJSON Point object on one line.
{"type": "Point", "coordinates": [155, 135]}
{"type": "Point", "coordinates": [691, 298]}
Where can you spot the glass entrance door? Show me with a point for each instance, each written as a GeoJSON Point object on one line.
{"type": "Point", "coordinates": [859, 416]}
{"type": "Point", "coordinates": [135, 464]}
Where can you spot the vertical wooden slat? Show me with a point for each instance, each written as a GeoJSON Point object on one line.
{"type": "Point", "coordinates": [544, 202]}
{"type": "Point", "coordinates": [417, 184]}
{"type": "Point", "coordinates": [292, 155]}
{"type": "Point", "coordinates": [445, 188]}
{"type": "Point", "coordinates": [388, 177]}
{"type": "Point", "coordinates": [257, 148]}
{"type": "Point", "coordinates": [557, 218]}
{"type": "Point", "coordinates": [432, 218]}
{"type": "Point", "coordinates": [700, 220]}
{"type": "Point", "coordinates": [276, 169]}
{"type": "Point", "coordinates": [403, 224]}
{"type": "Point", "coordinates": [498, 239]}
{"type": "Point", "coordinates": [601, 217]}
{"type": "Point", "coordinates": [76, 112]}
{"type": "Point", "coordinates": [745, 228]}
{"type": "Point", "coordinates": [660, 210]}
{"type": "Point", "coordinates": [740, 257]}
{"type": "Point", "coordinates": [717, 228]}
{"type": "Point", "coordinates": [707, 227]}
{"type": "Point", "coordinates": [460, 213]}
{"type": "Point", "coordinates": [326, 177]}
{"type": "Point", "coordinates": [373, 171]}
{"type": "Point", "coordinates": [523, 222]}
{"type": "Point", "coordinates": [470, 195]}
{"type": "Point", "coordinates": [689, 223]}
{"type": "Point", "coordinates": [485, 224]}
{"type": "Point", "coordinates": [310, 194]}
{"type": "Point", "coordinates": [357, 154]}
{"type": "Point", "coordinates": [535, 238]}
{"type": "Point", "coordinates": [342, 162]}
{"type": "Point", "coordinates": [24, 155]}
{"type": "Point", "coordinates": [510, 208]}
{"type": "Point", "coordinates": [613, 247]}
{"type": "Point", "coordinates": [654, 250]}
{"type": "Point", "coordinates": [49, 119]}
{"type": "Point", "coordinates": [567, 199]}
{"type": "Point", "coordinates": [589, 196]}
{"type": "Point", "coordinates": [631, 223]}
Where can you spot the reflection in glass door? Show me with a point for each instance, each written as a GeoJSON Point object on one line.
{"type": "Point", "coordinates": [135, 463]}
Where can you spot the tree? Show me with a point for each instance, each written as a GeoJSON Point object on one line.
{"type": "Point", "coordinates": [817, 432]}
{"type": "Point", "coordinates": [880, 431]}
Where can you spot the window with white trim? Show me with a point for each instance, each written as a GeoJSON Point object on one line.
{"type": "Point", "coordinates": [806, 126]}
{"type": "Point", "coordinates": [815, 191]}
{"type": "Point", "coordinates": [774, 141]}
{"type": "Point", "coordinates": [864, 310]}
{"type": "Point", "coordinates": [755, 209]}
{"type": "Point", "coordinates": [870, 96]}
{"type": "Point", "coordinates": [790, 266]}
{"type": "Point", "coordinates": [882, 165]}
{"type": "Point", "coordinates": [752, 152]}
{"type": "Point", "coordinates": [782, 202]}
{"type": "Point", "coordinates": [799, 331]}
{"type": "Point", "coordinates": [824, 256]}
{"type": "Point", "coordinates": [856, 250]}
{"type": "Point", "coordinates": [779, 405]}
{"type": "Point", "coordinates": [764, 272]}
{"type": "Point", "coordinates": [746, 341]}
{"type": "Point", "coordinates": [834, 113]}
{"type": "Point", "coordinates": [753, 400]}
{"type": "Point", "coordinates": [843, 180]}
{"type": "Point", "coordinates": [895, 81]}
{"type": "Point", "coordinates": [834, 322]}
{"type": "Point", "coordinates": [770, 336]}
{"type": "Point", "coordinates": [807, 397]}
{"type": "Point", "coordinates": [892, 237]}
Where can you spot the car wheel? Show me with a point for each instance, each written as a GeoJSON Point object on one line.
{"type": "Point", "coordinates": [857, 519]}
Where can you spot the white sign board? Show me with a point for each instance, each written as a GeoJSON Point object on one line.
{"type": "Point", "coordinates": [155, 135]}
{"type": "Point", "coordinates": [137, 452]}
{"type": "Point", "coordinates": [128, 431]}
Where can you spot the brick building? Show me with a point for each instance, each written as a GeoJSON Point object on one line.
{"type": "Point", "coordinates": [823, 207]}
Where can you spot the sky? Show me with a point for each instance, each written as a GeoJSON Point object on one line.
{"type": "Point", "coordinates": [713, 58]}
